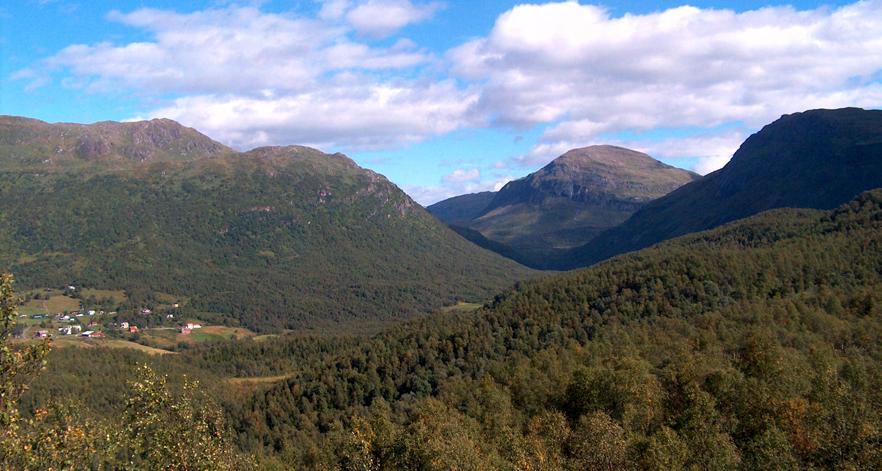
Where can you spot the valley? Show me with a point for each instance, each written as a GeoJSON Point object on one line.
{"type": "Point", "coordinates": [329, 320]}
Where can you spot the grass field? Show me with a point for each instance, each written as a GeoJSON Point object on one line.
{"type": "Point", "coordinates": [79, 342]}
{"type": "Point", "coordinates": [55, 304]}
{"type": "Point", "coordinates": [462, 307]}
{"type": "Point", "coordinates": [117, 296]}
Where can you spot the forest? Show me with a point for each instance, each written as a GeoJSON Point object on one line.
{"type": "Point", "coordinates": [755, 345]}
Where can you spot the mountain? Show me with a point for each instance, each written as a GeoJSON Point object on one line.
{"type": "Point", "coordinates": [461, 209]}
{"type": "Point", "coordinates": [277, 237]}
{"type": "Point", "coordinates": [25, 141]}
{"type": "Point", "coordinates": [814, 159]}
{"type": "Point", "coordinates": [565, 204]}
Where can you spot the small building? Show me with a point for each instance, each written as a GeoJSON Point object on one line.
{"type": "Point", "coordinates": [70, 330]}
{"type": "Point", "coordinates": [193, 325]}
{"type": "Point", "coordinates": [123, 325]}
{"type": "Point", "coordinates": [146, 311]}
{"type": "Point", "coordinates": [185, 331]}
{"type": "Point", "coordinates": [133, 329]}
{"type": "Point", "coordinates": [41, 334]}
{"type": "Point", "coordinates": [87, 333]}
{"type": "Point", "coordinates": [98, 335]}
{"type": "Point", "coordinates": [91, 312]}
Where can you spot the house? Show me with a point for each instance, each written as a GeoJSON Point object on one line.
{"type": "Point", "coordinates": [91, 312]}
{"type": "Point", "coordinates": [146, 311]}
{"type": "Point", "coordinates": [87, 333]}
{"type": "Point", "coordinates": [169, 316]}
{"type": "Point", "coordinates": [123, 325]}
{"type": "Point", "coordinates": [69, 330]}
{"type": "Point", "coordinates": [98, 335]}
{"type": "Point", "coordinates": [42, 333]}
{"type": "Point", "coordinates": [185, 331]}
{"type": "Point", "coordinates": [191, 325]}
{"type": "Point", "coordinates": [92, 323]}
{"type": "Point", "coordinates": [133, 329]}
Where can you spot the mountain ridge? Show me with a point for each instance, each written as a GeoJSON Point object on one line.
{"type": "Point", "coordinates": [276, 237]}
{"type": "Point", "coordinates": [562, 205]}
{"type": "Point", "coordinates": [813, 159]}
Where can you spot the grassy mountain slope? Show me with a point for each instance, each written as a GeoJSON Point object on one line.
{"type": "Point", "coordinates": [283, 237]}
{"type": "Point", "coordinates": [814, 159]}
{"type": "Point", "coordinates": [753, 345]}
{"type": "Point", "coordinates": [566, 203]}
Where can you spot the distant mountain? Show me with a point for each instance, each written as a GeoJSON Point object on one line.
{"type": "Point", "coordinates": [461, 209]}
{"type": "Point", "coordinates": [565, 204]}
{"type": "Point", "coordinates": [277, 237]}
{"type": "Point", "coordinates": [815, 159]}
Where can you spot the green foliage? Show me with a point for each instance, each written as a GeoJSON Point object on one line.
{"type": "Point", "coordinates": [17, 365]}
{"type": "Point", "coordinates": [160, 429]}
{"type": "Point", "coordinates": [173, 430]}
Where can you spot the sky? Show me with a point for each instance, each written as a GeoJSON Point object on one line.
{"type": "Point", "coordinates": [445, 97]}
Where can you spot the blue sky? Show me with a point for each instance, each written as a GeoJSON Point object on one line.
{"type": "Point", "coordinates": [445, 97]}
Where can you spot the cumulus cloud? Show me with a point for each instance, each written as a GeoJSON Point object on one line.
{"type": "Point", "coordinates": [462, 175]}
{"type": "Point", "coordinates": [458, 182]}
{"type": "Point", "coordinates": [586, 73]}
{"type": "Point", "coordinates": [360, 115]}
{"type": "Point", "coordinates": [381, 18]}
{"type": "Point", "coordinates": [712, 151]}
{"type": "Point", "coordinates": [248, 77]}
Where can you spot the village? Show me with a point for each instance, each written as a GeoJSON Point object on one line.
{"type": "Point", "coordinates": [93, 317]}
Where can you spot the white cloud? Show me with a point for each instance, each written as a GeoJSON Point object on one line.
{"type": "Point", "coordinates": [458, 182]}
{"type": "Point", "coordinates": [248, 77]}
{"type": "Point", "coordinates": [461, 175]}
{"type": "Point", "coordinates": [500, 182]}
{"type": "Point", "coordinates": [234, 50]}
{"type": "Point", "coordinates": [381, 18]}
{"type": "Point", "coordinates": [712, 150]}
{"type": "Point", "coordinates": [586, 73]}
{"type": "Point", "coordinates": [356, 115]}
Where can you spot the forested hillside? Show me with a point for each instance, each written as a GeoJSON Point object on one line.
{"type": "Point", "coordinates": [282, 237]}
{"type": "Point", "coordinates": [753, 345]}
